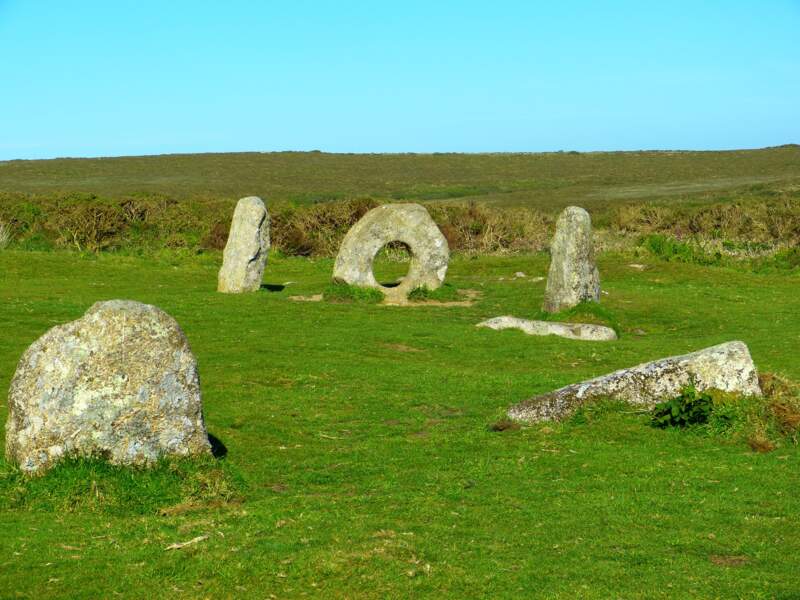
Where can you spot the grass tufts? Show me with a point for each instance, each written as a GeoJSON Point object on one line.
{"type": "Point", "coordinates": [344, 293]}
{"type": "Point", "coordinates": [445, 293]}
{"type": "Point", "coordinates": [93, 485]}
{"type": "Point", "coordinates": [585, 312]}
{"type": "Point", "coordinates": [504, 425]}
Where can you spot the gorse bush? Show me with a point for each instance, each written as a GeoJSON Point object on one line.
{"type": "Point", "coordinates": [765, 231]}
{"type": "Point", "coordinates": [86, 222]}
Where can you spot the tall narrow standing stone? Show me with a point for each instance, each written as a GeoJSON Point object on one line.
{"type": "Point", "coordinates": [245, 253]}
{"type": "Point", "coordinates": [573, 276]}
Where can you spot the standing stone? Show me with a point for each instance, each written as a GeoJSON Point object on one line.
{"type": "Point", "coordinates": [119, 383]}
{"type": "Point", "coordinates": [573, 276]}
{"type": "Point", "coordinates": [407, 223]}
{"type": "Point", "coordinates": [245, 253]}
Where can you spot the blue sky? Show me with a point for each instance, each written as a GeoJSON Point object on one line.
{"type": "Point", "coordinates": [85, 78]}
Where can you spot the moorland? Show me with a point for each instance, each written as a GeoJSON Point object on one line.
{"type": "Point", "coordinates": [362, 448]}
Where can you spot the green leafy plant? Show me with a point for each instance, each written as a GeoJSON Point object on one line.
{"type": "Point", "coordinates": [690, 408]}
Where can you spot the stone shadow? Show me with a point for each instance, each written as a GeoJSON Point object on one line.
{"type": "Point", "coordinates": [218, 449]}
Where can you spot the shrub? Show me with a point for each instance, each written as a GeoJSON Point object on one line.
{"type": "Point", "coordinates": [217, 236]}
{"type": "Point", "coordinates": [759, 227]}
{"type": "Point", "coordinates": [690, 408]}
{"type": "Point", "coordinates": [763, 422]}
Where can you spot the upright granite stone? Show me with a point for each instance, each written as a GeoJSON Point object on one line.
{"type": "Point", "coordinates": [573, 277]}
{"type": "Point", "coordinates": [407, 223]}
{"type": "Point", "coordinates": [726, 367]}
{"type": "Point", "coordinates": [245, 253]}
{"type": "Point", "coordinates": [119, 383]}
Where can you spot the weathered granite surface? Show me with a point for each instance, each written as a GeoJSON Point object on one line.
{"type": "Point", "coordinates": [245, 253]}
{"type": "Point", "coordinates": [573, 331]}
{"type": "Point", "coordinates": [727, 367]}
{"type": "Point", "coordinates": [573, 277]}
{"type": "Point", "coordinates": [119, 383]}
{"type": "Point", "coordinates": [407, 223]}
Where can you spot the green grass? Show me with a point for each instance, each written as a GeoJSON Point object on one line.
{"type": "Point", "coordinates": [585, 312]}
{"type": "Point", "coordinates": [446, 293]}
{"type": "Point", "coordinates": [548, 181]}
{"type": "Point", "coordinates": [361, 461]}
{"type": "Point", "coordinates": [342, 292]}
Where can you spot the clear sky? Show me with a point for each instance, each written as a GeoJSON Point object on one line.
{"type": "Point", "coordinates": [116, 77]}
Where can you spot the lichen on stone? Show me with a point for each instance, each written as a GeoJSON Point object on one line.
{"type": "Point", "coordinates": [573, 276]}
{"type": "Point", "coordinates": [727, 367]}
{"type": "Point", "coordinates": [245, 254]}
{"type": "Point", "coordinates": [120, 383]}
{"type": "Point", "coordinates": [407, 223]}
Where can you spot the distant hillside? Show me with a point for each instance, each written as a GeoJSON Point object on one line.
{"type": "Point", "coordinates": [546, 181]}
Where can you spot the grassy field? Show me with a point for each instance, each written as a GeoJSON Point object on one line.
{"type": "Point", "coordinates": [360, 462]}
{"type": "Point", "coordinates": [546, 181]}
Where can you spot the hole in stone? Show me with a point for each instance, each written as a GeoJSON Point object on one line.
{"type": "Point", "coordinates": [391, 264]}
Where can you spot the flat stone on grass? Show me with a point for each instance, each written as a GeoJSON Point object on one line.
{"type": "Point", "coordinates": [727, 367]}
{"type": "Point", "coordinates": [572, 331]}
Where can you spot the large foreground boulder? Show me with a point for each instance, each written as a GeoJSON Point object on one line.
{"type": "Point", "coordinates": [245, 254]}
{"type": "Point", "coordinates": [572, 331]}
{"type": "Point", "coordinates": [573, 277]}
{"type": "Point", "coordinates": [727, 367]}
{"type": "Point", "coordinates": [119, 383]}
{"type": "Point", "coordinates": [407, 223]}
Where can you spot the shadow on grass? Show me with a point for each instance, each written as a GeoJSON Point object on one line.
{"type": "Point", "coordinates": [218, 449]}
{"type": "Point", "coordinates": [272, 287]}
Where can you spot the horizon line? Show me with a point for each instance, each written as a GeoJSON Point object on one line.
{"type": "Point", "coordinates": [405, 153]}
